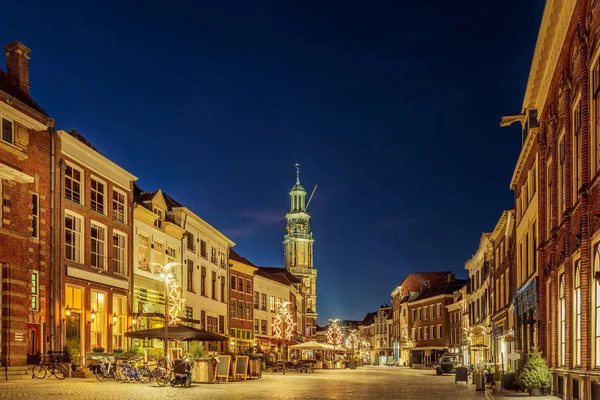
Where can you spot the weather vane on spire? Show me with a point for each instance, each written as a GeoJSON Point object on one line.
{"type": "Point", "coordinates": [297, 173]}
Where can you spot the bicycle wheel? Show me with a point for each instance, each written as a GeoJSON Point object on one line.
{"type": "Point", "coordinates": [99, 371]}
{"type": "Point", "coordinates": [145, 376]}
{"type": "Point", "coordinates": [164, 379]}
{"type": "Point", "coordinates": [61, 372]}
{"type": "Point", "coordinates": [39, 371]}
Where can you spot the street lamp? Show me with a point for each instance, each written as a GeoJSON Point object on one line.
{"type": "Point", "coordinates": [334, 335]}
{"type": "Point", "coordinates": [280, 329]}
{"type": "Point", "coordinates": [352, 343]}
{"type": "Point", "coordinates": [167, 275]}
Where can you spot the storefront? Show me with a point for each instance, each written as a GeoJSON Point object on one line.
{"type": "Point", "coordinates": [526, 317]}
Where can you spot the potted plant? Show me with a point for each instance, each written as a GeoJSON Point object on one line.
{"type": "Point", "coordinates": [534, 374]}
{"type": "Point", "coordinates": [497, 379]}
{"type": "Point", "coordinates": [73, 349]}
{"type": "Point", "coordinates": [118, 350]}
{"type": "Point", "coordinates": [98, 349]}
{"type": "Point", "coordinates": [203, 370]}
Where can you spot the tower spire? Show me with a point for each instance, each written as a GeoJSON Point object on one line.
{"type": "Point", "coordinates": [297, 173]}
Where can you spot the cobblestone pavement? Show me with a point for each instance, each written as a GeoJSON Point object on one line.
{"type": "Point", "coordinates": [363, 383]}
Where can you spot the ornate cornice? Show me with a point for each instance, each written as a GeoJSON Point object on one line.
{"type": "Point", "coordinates": [552, 34]}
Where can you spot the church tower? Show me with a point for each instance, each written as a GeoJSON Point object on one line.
{"type": "Point", "coordinates": [298, 249]}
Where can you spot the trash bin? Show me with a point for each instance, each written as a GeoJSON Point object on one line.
{"type": "Point", "coordinates": [352, 364]}
{"type": "Point", "coordinates": [479, 381]}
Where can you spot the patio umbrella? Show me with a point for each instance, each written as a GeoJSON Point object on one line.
{"type": "Point", "coordinates": [311, 346]}
{"type": "Point", "coordinates": [177, 332]}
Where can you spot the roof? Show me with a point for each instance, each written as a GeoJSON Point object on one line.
{"type": "Point", "coordinates": [171, 202]}
{"type": "Point", "coordinates": [83, 140]}
{"type": "Point", "coordinates": [369, 318]}
{"type": "Point", "coordinates": [140, 196]}
{"type": "Point", "coordinates": [441, 289]}
{"type": "Point", "coordinates": [11, 89]}
{"type": "Point", "coordinates": [233, 255]}
{"type": "Point", "coordinates": [280, 275]}
{"type": "Point", "coordinates": [298, 186]}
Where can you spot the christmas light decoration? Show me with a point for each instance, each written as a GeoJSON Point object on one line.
{"type": "Point", "coordinates": [175, 303]}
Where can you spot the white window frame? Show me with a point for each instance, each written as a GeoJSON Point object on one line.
{"type": "Point", "coordinates": [35, 290]}
{"type": "Point", "coordinates": [596, 260]}
{"type": "Point", "coordinates": [577, 314]}
{"type": "Point", "coordinates": [105, 242]}
{"type": "Point", "coordinates": [100, 323]}
{"type": "Point", "coordinates": [124, 194]}
{"type": "Point", "coordinates": [148, 251]}
{"type": "Point", "coordinates": [562, 175]}
{"type": "Point", "coordinates": [576, 149]}
{"type": "Point", "coordinates": [12, 127]}
{"type": "Point", "coordinates": [103, 194]}
{"type": "Point", "coordinates": [79, 259]}
{"type": "Point", "coordinates": [124, 251]}
{"type": "Point", "coordinates": [81, 183]}
{"type": "Point", "coordinates": [159, 216]}
{"type": "Point", "coordinates": [118, 330]}
{"type": "Point", "coordinates": [562, 321]}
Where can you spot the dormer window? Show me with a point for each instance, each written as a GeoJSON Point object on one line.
{"type": "Point", "coordinates": [158, 221]}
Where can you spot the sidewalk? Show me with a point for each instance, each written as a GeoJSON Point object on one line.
{"type": "Point", "coordinates": [513, 395]}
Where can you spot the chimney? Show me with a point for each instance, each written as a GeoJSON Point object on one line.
{"type": "Point", "coordinates": [450, 278]}
{"type": "Point", "coordinates": [17, 64]}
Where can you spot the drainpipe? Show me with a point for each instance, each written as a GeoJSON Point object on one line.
{"type": "Point", "coordinates": [62, 167]}
{"type": "Point", "coordinates": [52, 241]}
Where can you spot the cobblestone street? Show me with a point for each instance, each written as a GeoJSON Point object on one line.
{"type": "Point", "coordinates": [363, 383]}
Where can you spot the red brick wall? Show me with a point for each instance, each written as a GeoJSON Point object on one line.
{"type": "Point", "coordinates": [106, 219]}
{"type": "Point", "coordinates": [239, 323]}
{"type": "Point", "coordinates": [20, 254]}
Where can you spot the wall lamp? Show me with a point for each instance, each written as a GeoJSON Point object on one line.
{"type": "Point", "coordinates": [115, 319]}
{"type": "Point", "coordinates": [92, 317]}
{"type": "Point", "coordinates": [134, 322]}
{"type": "Point", "coordinates": [67, 312]}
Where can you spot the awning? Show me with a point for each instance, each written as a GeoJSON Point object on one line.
{"type": "Point", "coordinates": [177, 332]}
{"type": "Point", "coordinates": [312, 346]}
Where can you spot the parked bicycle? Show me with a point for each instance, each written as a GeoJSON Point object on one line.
{"type": "Point", "coordinates": [48, 366]}
{"type": "Point", "coordinates": [104, 368]}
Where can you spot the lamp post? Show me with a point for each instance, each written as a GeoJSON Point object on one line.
{"type": "Point", "coordinates": [283, 326]}
{"type": "Point", "coordinates": [166, 275]}
{"type": "Point", "coordinates": [352, 343]}
{"type": "Point", "coordinates": [334, 336]}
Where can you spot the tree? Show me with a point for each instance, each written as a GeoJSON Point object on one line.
{"type": "Point", "coordinates": [534, 372]}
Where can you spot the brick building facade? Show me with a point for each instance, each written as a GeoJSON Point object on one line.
{"type": "Point", "coordinates": [561, 130]}
{"type": "Point", "coordinates": [26, 324]}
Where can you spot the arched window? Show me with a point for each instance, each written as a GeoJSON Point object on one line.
{"type": "Point", "coordinates": [577, 310]}
{"type": "Point", "coordinates": [597, 302]}
{"type": "Point", "coordinates": [562, 319]}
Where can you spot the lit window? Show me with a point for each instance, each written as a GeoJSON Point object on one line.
{"type": "Point", "coordinates": [577, 309]}
{"type": "Point", "coordinates": [597, 299]}
{"type": "Point", "coordinates": [233, 308]}
{"type": "Point", "coordinates": [143, 253]}
{"type": "Point", "coordinates": [562, 310]}
{"type": "Point", "coordinates": [159, 214]}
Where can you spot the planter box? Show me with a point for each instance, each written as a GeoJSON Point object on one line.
{"type": "Point", "coordinates": [509, 382]}
{"type": "Point", "coordinates": [203, 371]}
{"type": "Point", "coordinates": [255, 369]}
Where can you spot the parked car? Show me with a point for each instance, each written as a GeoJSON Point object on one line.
{"type": "Point", "coordinates": [447, 364]}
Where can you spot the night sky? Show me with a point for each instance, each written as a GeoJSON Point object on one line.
{"type": "Point", "coordinates": [392, 109]}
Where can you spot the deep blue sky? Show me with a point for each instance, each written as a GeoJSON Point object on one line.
{"type": "Point", "coordinates": [392, 108]}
